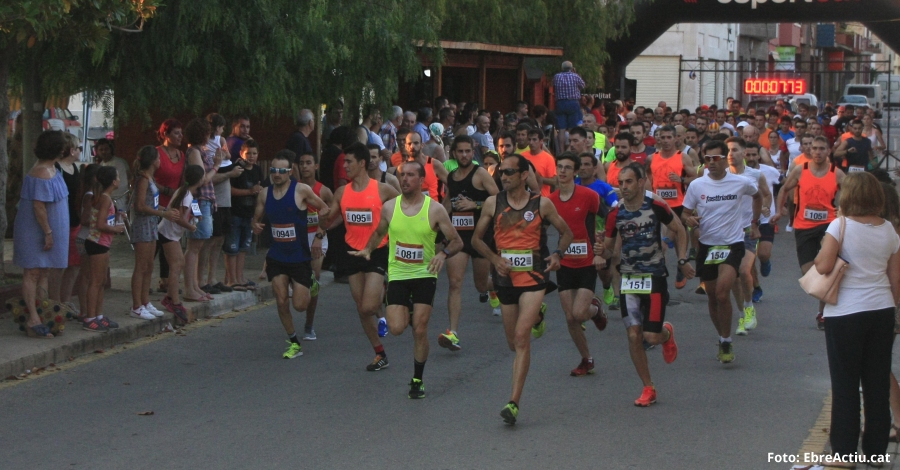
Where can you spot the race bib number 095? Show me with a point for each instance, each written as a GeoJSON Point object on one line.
{"type": "Point", "coordinates": [637, 283]}
{"type": "Point", "coordinates": [463, 220]}
{"type": "Point", "coordinates": [359, 216]}
{"type": "Point", "coordinates": [717, 254]}
{"type": "Point", "coordinates": [519, 260]}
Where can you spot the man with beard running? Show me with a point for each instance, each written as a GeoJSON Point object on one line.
{"type": "Point", "coordinates": [518, 268]}
{"type": "Point", "coordinates": [469, 186]}
{"type": "Point", "coordinates": [411, 222]}
{"type": "Point", "coordinates": [635, 225]}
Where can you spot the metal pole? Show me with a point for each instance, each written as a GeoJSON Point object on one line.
{"type": "Point", "coordinates": [86, 126]}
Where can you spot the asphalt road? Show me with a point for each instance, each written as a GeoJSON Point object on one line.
{"type": "Point", "coordinates": [222, 396]}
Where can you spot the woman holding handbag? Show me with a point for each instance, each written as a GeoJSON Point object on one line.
{"type": "Point", "coordinates": [859, 326]}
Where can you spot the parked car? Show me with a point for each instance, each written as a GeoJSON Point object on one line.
{"type": "Point", "coordinates": [855, 100]}
{"type": "Point", "coordinates": [873, 93]}
{"type": "Point", "coordinates": [60, 119]}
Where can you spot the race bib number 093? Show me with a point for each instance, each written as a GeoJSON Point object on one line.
{"type": "Point", "coordinates": [667, 193]}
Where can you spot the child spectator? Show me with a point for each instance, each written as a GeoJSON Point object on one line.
{"type": "Point", "coordinates": [170, 232]}
{"type": "Point", "coordinates": [103, 226]}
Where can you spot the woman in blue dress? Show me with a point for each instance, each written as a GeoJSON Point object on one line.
{"type": "Point", "coordinates": [40, 231]}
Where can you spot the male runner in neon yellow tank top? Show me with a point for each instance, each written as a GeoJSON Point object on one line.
{"type": "Point", "coordinates": [411, 222]}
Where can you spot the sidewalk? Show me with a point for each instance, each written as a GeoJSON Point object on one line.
{"type": "Point", "coordinates": [19, 353]}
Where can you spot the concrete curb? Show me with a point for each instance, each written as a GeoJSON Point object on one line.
{"type": "Point", "coordinates": [65, 350]}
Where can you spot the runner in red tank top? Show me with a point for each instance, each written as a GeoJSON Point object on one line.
{"type": "Point", "coordinates": [359, 202]}
{"type": "Point", "coordinates": [817, 183]}
{"type": "Point", "coordinates": [308, 167]}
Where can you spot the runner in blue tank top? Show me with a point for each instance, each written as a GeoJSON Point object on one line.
{"type": "Point", "coordinates": [288, 260]}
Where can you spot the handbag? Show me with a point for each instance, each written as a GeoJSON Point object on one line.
{"type": "Point", "coordinates": [825, 286]}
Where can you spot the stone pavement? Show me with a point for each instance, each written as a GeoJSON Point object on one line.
{"type": "Point", "coordinates": [20, 354]}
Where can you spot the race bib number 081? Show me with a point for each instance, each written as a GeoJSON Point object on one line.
{"type": "Point", "coordinates": [519, 260]}
{"type": "Point", "coordinates": [408, 253]}
{"type": "Point", "coordinates": [359, 216]}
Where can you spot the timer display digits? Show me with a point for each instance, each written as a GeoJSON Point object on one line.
{"type": "Point", "coordinates": [774, 86]}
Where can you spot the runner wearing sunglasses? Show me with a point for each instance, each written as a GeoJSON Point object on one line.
{"type": "Point", "coordinates": [717, 198]}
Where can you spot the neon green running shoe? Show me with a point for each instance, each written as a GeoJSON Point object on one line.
{"type": "Point", "coordinates": [509, 413]}
{"type": "Point", "coordinates": [726, 352]}
{"type": "Point", "coordinates": [449, 340]}
{"type": "Point", "coordinates": [416, 389]}
{"type": "Point", "coordinates": [609, 296]}
{"type": "Point", "coordinates": [750, 317]}
{"type": "Point", "coordinates": [314, 289]}
{"type": "Point", "coordinates": [541, 326]}
{"type": "Point", "coordinates": [493, 299]}
{"type": "Point", "coordinates": [293, 350]}
{"type": "Point", "coordinates": [741, 329]}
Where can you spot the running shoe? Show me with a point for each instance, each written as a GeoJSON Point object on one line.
{"type": "Point", "coordinates": [614, 305]}
{"type": "Point", "coordinates": [509, 413]}
{"type": "Point", "coordinates": [483, 297]}
{"type": "Point", "coordinates": [750, 318]}
{"type": "Point", "coordinates": [416, 389]}
{"type": "Point", "coordinates": [765, 268]}
{"type": "Point", "coordinates": [105, 321]}
{"type": "Point", "coordinates": [600, 320]}
{"type": "Point", "coordinates": [493, 299]}
{"type": "Point", "coordinates": [314, 289]}
{"type": "Point", "coordinates": [648, 346]}
{"type": "Point", "coordinates": [142, 313]}
{"type": "Point", "coordinates": [680, 281]}
{"type": "Point", "coordinates": [701, 289]}
{"type": "Point", "coordinates": [155, 311]}
{"type": "Point", "coordinates": [609, 296]}
{"type": "Point", "coordinates": [449, 340]}
{"type": "Point", "coordinates": [741, 329]}
{"type": "Point", "coordinates": [309, 335]}
{"type": "Point", "coordinates": [789, 228]}
{"type": "Point", "coordinates": [584, 368]}
{"type": "Point", "coordinates": [496, 311]}
{"type": "Point", "coordinates": [293, 350]}
{"type": "Point", "coordinates": [726, 352]}
{"type": "Point", "coordinates": [692, 254]}
{"type": "Point", "coordinates": [820, 321]}
{"type": "Point", "coordinates": [647, 398]}
{"type": "Point", "coordinates": [540, 327]}
{"type": "Point", "coordinates": [380, 362]}
{"type": "Point", "coordinates": [757, 294]}
{"type": "Point", "coordinates": [670, 349]}
{"type": "Point", "coordinates": [382, 327]}
{"type": "Point", "coordinates": [94, 325]}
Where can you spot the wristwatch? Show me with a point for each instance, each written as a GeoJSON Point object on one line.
{"type": "Point", "coordinates": [683, 262]}
{"type": "Point", "coordinates": [558, 253]}
{"type": "Point", "coordinates": [446, 252]}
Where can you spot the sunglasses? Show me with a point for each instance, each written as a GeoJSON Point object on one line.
{"type": "Point", "coordinates": [713, 158]}
{"type": "Point", "coordinates": [279, 171]}
{"type": "Point", "coordinates": [509, 171]}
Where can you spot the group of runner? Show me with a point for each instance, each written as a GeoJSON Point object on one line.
{"type": "Point", "coordinates": [620, 228]}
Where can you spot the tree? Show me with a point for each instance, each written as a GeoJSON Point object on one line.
{"type": "Point", "coordinates": [36, 43]}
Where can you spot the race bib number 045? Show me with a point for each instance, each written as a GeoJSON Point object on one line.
{"type": "Point", "coordinates": [358, 216]}
{"type": "Point", "coordinates": [717, 254]}
{"type": "Point", "coordinates": [637, 283]}
{"type": "Point", "coordinates": [519, 260]}
{"type": "Point", "coordinates": [577, 249]}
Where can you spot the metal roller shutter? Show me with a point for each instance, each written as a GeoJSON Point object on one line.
{"type": "Point", "coordinates": [657, 79]}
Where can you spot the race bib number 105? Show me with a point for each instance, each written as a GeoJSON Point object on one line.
{"type": "Point", "coordinates": [814, 215]}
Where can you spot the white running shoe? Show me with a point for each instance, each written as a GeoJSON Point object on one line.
{"type": "Point", "coordinates": [155, 311]}
{"type": "Point", "coordinates": [142, 313]}
{"type": "Point", "coordinates": [496, 311]}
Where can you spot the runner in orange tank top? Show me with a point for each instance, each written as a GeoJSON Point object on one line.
{"type": "Point", "coordinates": [817, 183]}
{"type": "Point", "coordinates": [519, 272]}
{"type": "Point", "coordinates": [360, 202]}
{"type": "Point", "coordinates": [435, 172]}
{"type": "Point", "coordinates": [622, 143]}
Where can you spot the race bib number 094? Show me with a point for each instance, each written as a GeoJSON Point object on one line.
{"type": "Point", "coordinates": [519, 260]}
{"type": "Point", "coordinates": [284, 232]}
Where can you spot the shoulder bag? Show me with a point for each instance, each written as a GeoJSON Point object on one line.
{"type": "Point", "coordinates": [825, 286]}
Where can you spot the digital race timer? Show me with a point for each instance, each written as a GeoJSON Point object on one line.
{"type": "Point", "coordinates": [774, 86]}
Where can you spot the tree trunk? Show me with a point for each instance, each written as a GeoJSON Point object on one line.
{"type": "Point", "coordinates": [32, 108]}
{"type": "Point", "coordinates": [6, 54]}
